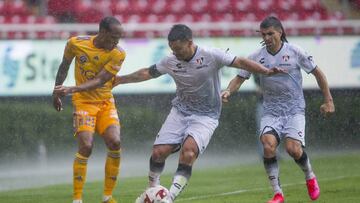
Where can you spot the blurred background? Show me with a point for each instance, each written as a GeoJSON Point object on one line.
{"type": "Point", "coordinates": [37, 143]}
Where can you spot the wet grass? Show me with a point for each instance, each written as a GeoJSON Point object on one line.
{"type": "Point", "coordinates": [338, 175]}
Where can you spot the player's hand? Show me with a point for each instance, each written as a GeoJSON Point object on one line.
{"type": "Point", "coordinates": [327, 108]}
{"type": "Point", "coordinates": [62, 90]}
{"type": "Point", "coordinates": [276, 70]}
{"type": "Point", "coordinates": [225, 95]}
{"type": "Point", "coordinates": [57, 103]}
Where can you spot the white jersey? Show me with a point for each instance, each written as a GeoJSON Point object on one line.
{"type": "Point", "coordinates": [197, 80]}
{"type": "Point", "coordinates": [283, 93]}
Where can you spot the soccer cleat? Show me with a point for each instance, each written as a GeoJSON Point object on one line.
{"type": "Point", "coordinates": [313, 188]}
{"type": "Point", "coordinates": [77, 201]}
{"type": "Point", "coordinates": [278, 198]}
{"type": "Point", "coordinates": [110, 200]}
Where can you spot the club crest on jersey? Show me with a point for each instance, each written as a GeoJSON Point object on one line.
{"type": "Point", "coordinates": [83, 59]}
{"type": "Point", "coordinates": [310, 58]}
{"type": "Point", "coordinates": [286, 57]}
{"type": "Point", "coordinates": [96, 58]}
{"type": "Point", "coordinates": [200, 60]}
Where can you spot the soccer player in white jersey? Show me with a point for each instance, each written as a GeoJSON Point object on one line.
{"type": "Point", "coordinates": [196, 107]}
{"type": "Point", "coordinates": [284, 105]}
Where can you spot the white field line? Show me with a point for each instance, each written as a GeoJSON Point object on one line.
{"type": "Point", "coordinates": [255, 189]}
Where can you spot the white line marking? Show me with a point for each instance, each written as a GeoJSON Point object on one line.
{"type": "Point", "coordinates": [255, 189]}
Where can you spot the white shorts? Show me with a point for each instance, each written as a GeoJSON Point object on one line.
{"type": "Point", "coordinates": [292, 126]}
{"type": "Point", "coordinates": [177, 127]}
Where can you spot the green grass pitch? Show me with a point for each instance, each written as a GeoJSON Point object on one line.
{"type": "Point", "coordinates": [338, 176]}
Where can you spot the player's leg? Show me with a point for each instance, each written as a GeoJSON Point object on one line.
{"type": "Point", "coordinates": [167, 141]}
{"type": "Point", "coordinates": [85, 143]}
{"type": "Point", "coordinates": [84, 126]}
{"type": "Point", "coordinates": [108, 127]}
{"type": "Point", "coordinates": [294, 143]}
{"type": "Point", "coordinates": [200, 130]}
{"type": "Point", "coordinates": [188, 155]}
{"type": "Point", "coordinates": [271, 165]}
{"type": "Point", "coordinates": [112, 165]}
{"type": "Point", "coordinates": [157, 161]}
{"type": "Point", "coordinates": [270, 140]}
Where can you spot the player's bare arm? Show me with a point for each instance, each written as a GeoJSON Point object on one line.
{"type": "Point", "coordinates": [233, 86]}
{"type": "Point", "coordinates": [60, 78]}
{"type": "Point", "coordinates": [328, 106]}
{"type": "Point", "coordinates": [97, 82]}
{"type": "Point", "coordinates": [252, 66]}
{"type": "Point", "coordinates": [138, 76]}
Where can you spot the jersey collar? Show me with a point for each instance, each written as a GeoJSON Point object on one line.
{"type": "Point", "coordinates": [273, 54]}
{"type": "Point", "coordinates": [196, 48]}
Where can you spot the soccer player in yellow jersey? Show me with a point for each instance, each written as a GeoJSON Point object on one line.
{"type": "Point", "coordinates": [97, 60]}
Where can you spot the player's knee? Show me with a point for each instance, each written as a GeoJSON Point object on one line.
{"type": "Point", "coordinates": [114, 144]}
{"type": "Point", "coordinates": [269, 147]}
{"type": "Point", "coordinates": [188, 155]}
{"type": "Point", "coordinates": [85, 149]}
{"type": "Point", "coordinates": [159, 154]}
{"type": "Point", "coordinates": [294, 151]}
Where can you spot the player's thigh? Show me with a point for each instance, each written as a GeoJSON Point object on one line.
{"type": "Point", "coordinates": [295, 128]}
{"type": "Point", "coordinates": [84, 117]}
{"type": "Point", "coordinates": [172, 130]}
{"type": "Point", "coordinates": [108, 117]}
{"type": "Point", "coordinates": [201, 129]}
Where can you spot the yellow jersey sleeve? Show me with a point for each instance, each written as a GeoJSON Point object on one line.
{"type": "Point", "coordinates": [116, 60]}
{"type": "Point", "coordinates": [69, 50]}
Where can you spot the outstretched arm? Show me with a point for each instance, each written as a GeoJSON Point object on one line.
{"type": "Point", "coordinates": [327, 107]}
{"type": "Point", "coordinates": [60, 78]}
{"type": "Point", "coordinates": [138, 76]}
{"type": "Point", "coordinates": [101, 78]}
{"type": "Point", "coordinates": [233, 86]}
{"type": "Point", "coordinates": [252, 66]}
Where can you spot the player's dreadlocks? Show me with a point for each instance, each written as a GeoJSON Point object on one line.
{"type": "Point", "coordinates": [274, 22]}
{"type": "Point", "coordinates": [106, 22]}
{"type": "Point", "coordinates": [180, 32]}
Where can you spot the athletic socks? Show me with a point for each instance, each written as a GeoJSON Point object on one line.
{"type": "Point", "coordinates": [272, 170]}
{"type": "Point", "coordinates": [181, 177]}
{"type": "Point", "coordinates": [155, 171]}
{"type": "Point", "coordinates": [79, 175]}
{"type": "Point", "coordinates": [112, 166]}
{"type": "Point", "coordinates": [304, 163]}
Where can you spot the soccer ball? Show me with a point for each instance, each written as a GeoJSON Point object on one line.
{"type": "Point", "coordinates": [157, 194]}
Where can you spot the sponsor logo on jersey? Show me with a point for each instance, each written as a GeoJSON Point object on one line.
{"type": "Point", "coordinates": [284, 64]}
{"type": "Point", "coordinates": [310, 58]}
{"type": "Point", "coordinates": [178, 65]}
{"type": "Point", "coordinates": [262, 60]}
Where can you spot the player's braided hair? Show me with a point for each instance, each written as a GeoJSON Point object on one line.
{"type": "Point", "coordinates": [180, 32]}
{"type": "Point", "coordinates": [275, 22]}
{"type": "Point", "coordinates": [106, 22]}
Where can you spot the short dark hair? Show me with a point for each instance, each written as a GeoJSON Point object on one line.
{"type": "Point", "coordinates": [275, 22]}
{"type": "Point", "coordinates": [106, 22]}
{"type": "Point", "coordinates": [180, 32]}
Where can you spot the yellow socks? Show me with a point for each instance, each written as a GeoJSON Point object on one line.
{"type": "Point", "coordinates": [112, 166]}
{"type": "Point", "coordinates": [79, 175]}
